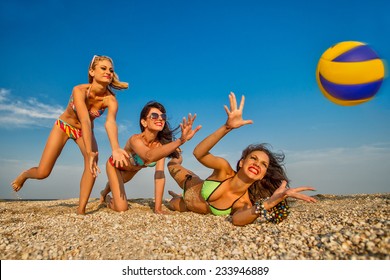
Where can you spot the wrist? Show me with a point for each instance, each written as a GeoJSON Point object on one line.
{"type": "Point", "coordinates": [260, 206]}
{"type": "Point", "coordinates": [90, 153]}
{"type": "Point", "coordinates": [261, 210]}
{"type": "Point", "coordinates": [114, 148]}
{"type": "Point", "coordinates": [228, 127]}
{"type": "Point", "coordinates": [181, 140]}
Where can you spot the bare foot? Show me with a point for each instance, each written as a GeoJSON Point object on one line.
{"type": "Point", "coordinates": [102, 197]}
{"type": "Point", "coordinates": [174, 195]}
{"type": "Point", "coordinates": [108, 200]}
{"type": "Point", "coordinates": [17, 184]}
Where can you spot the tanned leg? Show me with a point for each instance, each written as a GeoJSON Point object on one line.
{"type": "Point", "coordinates": [184, 178]}
{"type": "Point", "coordinates": [104, 193]}
{"type": "Point", "coordinates": [87, 179]}
{"type": "Point", "coordinates": [54, 145]}
{"type": "Point", "coordinates": [116, 184]}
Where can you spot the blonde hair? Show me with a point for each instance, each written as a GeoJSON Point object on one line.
{"type": "Point", "coordinates": [116, 83]}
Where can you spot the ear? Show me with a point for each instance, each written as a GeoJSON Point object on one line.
{"type": "Point", "coordinates": [91, 72]}
{"type": "Point", "coordinates": [240, 163]}
{"type": "Point", "coordinates": [144, 123]}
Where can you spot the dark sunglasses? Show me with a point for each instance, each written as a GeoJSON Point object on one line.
{"type": "Point", "coordinates": [155, 116]}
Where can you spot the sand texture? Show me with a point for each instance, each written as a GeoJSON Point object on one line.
{"type": "Point", "coordinates": [335, 228]}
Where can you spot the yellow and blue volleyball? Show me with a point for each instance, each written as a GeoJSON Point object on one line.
{"type": "Point", "coordinates": [350, 73]}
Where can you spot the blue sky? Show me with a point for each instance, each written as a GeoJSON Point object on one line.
{"type": "Point", "coordinates": [189, 55]}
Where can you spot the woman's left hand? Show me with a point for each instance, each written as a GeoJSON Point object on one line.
{"type": "Point", "coordinates": [296, 193]}
{"type": "Point", "coordinates": [186, 128]}
{"type": "Point", "coordinates": [120, 158]}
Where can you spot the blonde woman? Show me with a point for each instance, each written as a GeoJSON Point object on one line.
{"type": "Point", "coordinates": [87, 102]}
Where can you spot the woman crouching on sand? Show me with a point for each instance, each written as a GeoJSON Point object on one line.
{"type": "Point", "coordinates": [257, 189]}
{"type": "Point", "coordinates": [147, 149]}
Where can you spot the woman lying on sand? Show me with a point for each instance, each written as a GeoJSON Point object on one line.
{"type": "Point", "coordinates": [258, 188]}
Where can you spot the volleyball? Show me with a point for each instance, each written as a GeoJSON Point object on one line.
{"type": "Point", "coordinates": [350, 73]}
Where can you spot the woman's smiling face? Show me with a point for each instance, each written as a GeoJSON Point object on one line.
{"type": "Point", "coordinates": [255, 165]}
{"type": "Point", "coordinates": [156, 119]}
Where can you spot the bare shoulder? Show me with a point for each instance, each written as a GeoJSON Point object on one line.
{"type": "Point", "coordinates": [80, 91]}
{"type": "Point", "coordinates": [81, 87]}
{"type": "Point", "coordinates": [222, 173]}
{"type": "Point", "coordinates": [110, 100]}
{"type": "Point", "coordinates": [135, 138]}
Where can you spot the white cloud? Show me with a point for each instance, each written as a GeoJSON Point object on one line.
{"type": "Point", "coordinates": [3, 94]}
{"type": "Point", "coordinates": [23, 113]}
{"type": "Point", "coordinates": [342, 170]}
{"type": "Point", "coordinates": [339, 170]}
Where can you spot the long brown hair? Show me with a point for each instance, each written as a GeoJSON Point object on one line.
{"type": "Point", "coordinates": [274, 176]}
{"type": "Point", "coordinates": [166, 135]}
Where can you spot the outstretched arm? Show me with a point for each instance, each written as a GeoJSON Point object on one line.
{"type": "Point", "coordinates": [119, 156]}
{"type": "Point", "coordinates": [246, 213]}
{"type": "Point", "coordinates": [86, 128]}
{"type": "Point", "coordinates": [149, 155]}
{"type": "Point", "coordinates": [234, 120]}
{"type": "Point", "coordinates": [282, 193]}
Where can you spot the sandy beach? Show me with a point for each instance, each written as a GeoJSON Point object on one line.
{"type": "Point", "coordinates": [348, 227]}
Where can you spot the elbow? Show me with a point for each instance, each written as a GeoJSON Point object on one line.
{"type": "Point", "coordinates": [197, 154]}
{"type": "Point", "coordinates": [237, 222]}
{"type": "Point", "coordinates": [108, 124]}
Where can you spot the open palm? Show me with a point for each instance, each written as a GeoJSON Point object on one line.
{"type": "Point", "coordinates": [235, 119]}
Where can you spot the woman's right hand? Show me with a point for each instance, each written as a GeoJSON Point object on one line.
{"type": "Point", "coordinates": [186, 128]}
{"type": "Point", "coordinates": [93, 167]}
{"type": "Point", "coordinates": [235, 114]}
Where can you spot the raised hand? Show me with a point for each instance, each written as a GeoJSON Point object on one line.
{"type": "Point", "coordinates": [186, 128]}
{"type": "Point", "coordinates": [235, 114]}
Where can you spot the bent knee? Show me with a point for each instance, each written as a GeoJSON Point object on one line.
{"type": "Point", "coordinates": [42, 174]}
{"type": "Point", "coordinates": [121, 208]}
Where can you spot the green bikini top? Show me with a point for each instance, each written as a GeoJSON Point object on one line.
{"type": "Point", "coordinates": [139, 162]}
{"type": "Point", "coordinates": [208, 188]}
